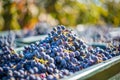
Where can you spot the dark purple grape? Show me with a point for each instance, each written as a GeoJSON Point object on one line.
{"type": "Point", "coordinates": [62, 27]}
{"type": "Point", "coordinates": [51, 60]}
{"type": "Point", "coordinates": [35, 69]}
{"type": "Point", "coordinates": [31, 71]}
{"type": "Point", "coordinates": [105, 58]}
{"type": "Point", "coordinates": [54, 29]}
{"type": "Point", "coordinates": [65, 72]}
{"type": "Point", "coordinates": [50, 70]}
{"type": "Point", "coordinates": [32, 77]}
{"type": "Point", "coordinates": [61, 54]}
{"type": "Point", "coordinates": [61, 75]}
{"type": "Point", "coordinates": [63, 63]}
{"type": "Point", "coordinates": [72, 54]}
{"type": "Point", "coordinates": [67, 58]}
{"type": "Point", "coordinates": [58, 59]}
{"type": "Point", "coordinates": [56, 71]}
{"type": "Point", "coordinates": [77, 53]}
{"type": "Point", "coordinates": [50, 77]}
{"type": "Point", "coordinates": [52, 65]}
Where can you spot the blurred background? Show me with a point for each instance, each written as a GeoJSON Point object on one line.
{"type": "Point", "coordinates": [25, 14]}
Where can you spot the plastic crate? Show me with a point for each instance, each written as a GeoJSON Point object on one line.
{"type": "Point", "coordinates": [101, 71]}
{"type": "Point", "coordinates": [31, 39]}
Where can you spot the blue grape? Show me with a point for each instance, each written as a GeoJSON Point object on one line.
{"type": "Point", "coordinates": [77, 53]}
{"type": "Point", "coordinates": [62, 27]}
{"type": "Point", "coordinates": [67, 58]}
{"type": "Point", "coordinates": [32, 77]}
{"type": "Point", "coordinates": [58, 59]}
{"type": "Point", "coordinates": [52, 65]}
{"type": "Point", "coordinates": [50, 70]}
{"type": "Point", "coordinates": [50, 77]}
{"type": "Point", "coordinates": [72, 54]}
{"type": "Point", "coordinates": [35, 69]}
{"type": "Point", "coordinates": [63, 63]}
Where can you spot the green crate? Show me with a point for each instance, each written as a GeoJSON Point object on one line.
{"type": "Point", "coordinates": [101, 71]}
{"type": "Point", "coordinates": [101, 45]}
{"type": "Point", "coordinates": [31, 39]}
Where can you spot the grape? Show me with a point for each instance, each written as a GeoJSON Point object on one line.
{"type": "Point", "coordinates": [113, 54]}
{"type": "Point", "coordinates": [65, 72]}
{"type": "Point", "coordinates": [66, 54]}
{"type": "Point", "coordinates": [72, 48]}
{"type": "Point", "coordinates": [62, 27]}
{"type": "Point", "coordinates": [35, 69]}
{"type": "Point", "coordinates": [72, 54]}
{"type": "Point", "coordinates": [56, 71]}
{"type": "Point", "coordinates": [77, 53]}
{"type": "Point", "coordinates": [52, 65]}
{"type": "Point", "coordinates": [86, 65]}
{"type": "Point", "coordinates": [54, 50]}
{"type": "Point", "coordinates": [37, 54]}
{"type": "Point", "coordinates": [59, 42]}
{"type": "Point", "coordinates": [67, 58]}
{"type": "Point", "coordinates": [105, 58]}
{"type": "Point", "coordinates": [41, 49]}
{"type": "Point", "coordinates": [58, 27]}
{"type": "Point", "coordinates": [42, 54]}
{"type": "Point", "coordinates": [48, 51]}
{"type": "Point", "coordinates": [47, 57]}
{"type": "Point", "coordinates": [50, 70]}
{"type": "Point", "coordinates": [52, 54]}
{"type": "Point", "coordinates": [61, 75]}
{"type": "Point", "coordinates": [38, 78]}
{"type": "Point", "coordinates": [63, 63]}
{"type": "Point", "coordinates": [73, 60]}
{"type": "Point", "coordinates": [21, 71]}
{"type": "Point", "coordinates": [42, 68]}
{"type": "Point", "coordinates": [54, 29]}
{"type": "Point", "coordinates": [19, 66]}
{"type": "Point", "coordinates": [58, 59]}
{"type": "Point", "coordinates": [32, 77]}
{"type": "Point", "coordinates": [77, 68]}
{"type": "Point", "coordinates": [50, 77]}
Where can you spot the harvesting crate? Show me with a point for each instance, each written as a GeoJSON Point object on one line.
{"type": "Point", "coordinates": [101, 71]}
{"type": "Point", "coordinates": [28, 40]}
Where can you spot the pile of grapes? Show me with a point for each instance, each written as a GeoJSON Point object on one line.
{"type": "Point", "coordinates": [8, 40]}
{"type": "Point", "coordinates": [95, 33]}
{"type": "Point", "coordinates": [59, 55]}
{"type": "Point", "coordinates": [40, 29]}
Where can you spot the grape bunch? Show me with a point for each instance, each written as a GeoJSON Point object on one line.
{"type": "Point", "coordinates": [41, 28]}
{"type": "Point", "coordinates": [95, 33]}
{"type": "Point", "coordinates": [7, 40]}
{"type": "Point", "coordinates": [59, 55]}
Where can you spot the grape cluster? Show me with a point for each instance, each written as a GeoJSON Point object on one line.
{"type": "Point", "coordinates": [7, 40]}
{"type": "Point", "coordinates": [95, 33]}
{"type": "Point", "coordinates": [40, 29]}
{"type": "Point", "coordinates": [59, 55]}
